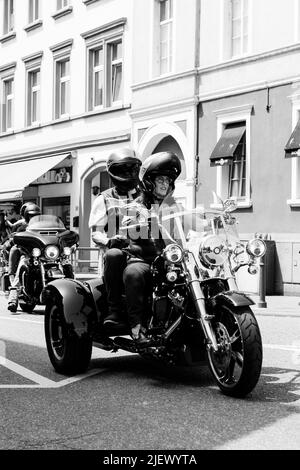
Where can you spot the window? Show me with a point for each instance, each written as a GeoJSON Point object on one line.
{"type": "Point", "coordinates": [239, 27]}
{"type": "Point", "coordinates": [8, 24]}
{"type": "Point", "coordinates": [166, 36]}
{"type": "Point", "coordinates": [63, 8]}
{"type": "Point", "coordinates": [62, 4]}
{"type": "Point", "coordinates": [105, 65]}
{"type": "Point", "coordinates": [116, 70]}
{"type": "Point", "coordinates": [33, 10]}
{"type": "Point", "coordinates": [294, 155]}
{"type": "Point", "coordinates": [62, 88]}
{"type": "Point", "coordinates": [33, 100]}
{"type": "Point", "coordinates": [105, 74]}
{"type": "Point", "coordinates": [62, 80]}
{"type": "Point", "coordinates": [97, 77]}
{"type": "Point", "coordinates": [237, 172]}
{"type": "Point", "coordinates": [32, 64]}
{"type": "Point", "coordinates": [232, 154]}
{"type": "Point", "coordinates": [7, 110]}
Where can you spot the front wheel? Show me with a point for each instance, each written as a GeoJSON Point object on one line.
{"type": "Point", "coordinates": [236, 366]}
{"type": "Point", "coordinates": [69, 354]}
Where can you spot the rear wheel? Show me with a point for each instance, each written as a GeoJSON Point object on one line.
{"type": "Point", "coordinates": [68, 353]}
{"type": "Point", "coordinates": [236, 366]}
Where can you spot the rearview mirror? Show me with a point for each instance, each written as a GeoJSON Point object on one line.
{"type": "Point", "coordinates": [230, 205]}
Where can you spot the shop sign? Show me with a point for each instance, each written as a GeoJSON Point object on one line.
{"type": "Point", "coordinates": [59, 175]}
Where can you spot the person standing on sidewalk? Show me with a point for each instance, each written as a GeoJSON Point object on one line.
{"type": "Point", "coordinates": [123, 168]}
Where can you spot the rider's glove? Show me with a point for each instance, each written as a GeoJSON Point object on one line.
{"type": "Point", "coordinates": [118, 241]}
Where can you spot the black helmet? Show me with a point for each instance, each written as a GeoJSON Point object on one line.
{"type": "Point", "coordinates": [31, 210]}
{"type": "Point", "coordinates": [159, 164]}
{"type": "Point", "coordinates": [23, 207]}
{"type": "Point", "coordinates": [123, 168]}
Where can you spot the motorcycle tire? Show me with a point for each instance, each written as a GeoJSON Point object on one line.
{"type": "Point", "coordinates": [236, 367]}
{"type": "Point", "coordinates": [69, 354]}
{"type": "Point", "coordinates": [27, 307]}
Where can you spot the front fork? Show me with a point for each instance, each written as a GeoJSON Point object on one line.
{"type": "Point", "coordinates": [199, 300]}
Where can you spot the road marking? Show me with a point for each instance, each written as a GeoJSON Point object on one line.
{"type": "Point", "coordinates": [40, 380]}
{"type": "Point", "coordinates": [20, 319]}
{"type": "Point", "coordinates": [281, 347]}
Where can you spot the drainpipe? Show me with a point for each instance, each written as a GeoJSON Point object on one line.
{"type": "Point", "coordinates": [196, 97]}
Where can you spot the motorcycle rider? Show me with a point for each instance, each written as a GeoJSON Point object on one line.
{"type": "Point", "coordinates": [158, 175]}
{"type": "Point", "coordinates": [123, 167]}
{"type": "Point", "coordinates": [13, 252]}
{"type": "Point", "coordinates": [28, 210]}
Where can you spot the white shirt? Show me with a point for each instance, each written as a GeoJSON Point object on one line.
{"type": "Point", "coordinates": [98, 216]}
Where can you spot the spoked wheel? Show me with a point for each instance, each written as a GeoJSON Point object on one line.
{"type": "Point", "coordinates": [236, 366]}
{"type": "Point", "coordinates": [68, 353]}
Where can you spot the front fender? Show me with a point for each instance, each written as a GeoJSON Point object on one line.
{"type": "Point", "coordinates": [232, 299]}
{"type": "Point", "coordinates": [76, 302]}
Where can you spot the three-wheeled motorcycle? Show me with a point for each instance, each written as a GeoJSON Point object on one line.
{"type": "Point", "coordinates": [196, 313]}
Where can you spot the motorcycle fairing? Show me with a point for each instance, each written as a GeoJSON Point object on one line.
{"type": "Point", "coordinates": [77, 304]}
{"type": "Point", "coordinates": [30, 240]}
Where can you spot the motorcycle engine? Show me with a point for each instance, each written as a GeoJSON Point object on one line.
{"type": "Point", "coordinates": [160, 310]}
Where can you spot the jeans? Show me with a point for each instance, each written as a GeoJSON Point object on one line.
{"type": "Point", "coordinates": [114, 265]}
{"type": "Point", "coordinates": [13, 260]}
{"type": "Point", "coordinates": [137, 283]}
{"type": "Point", "coordinates": [133, 279]}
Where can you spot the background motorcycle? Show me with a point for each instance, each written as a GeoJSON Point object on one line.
{"type": "Point", "coordinates": [196, 315]}
{"type": "Point", "coordinates": [47, 249]}
{"type": "Point", "coordinates": [4, 276]}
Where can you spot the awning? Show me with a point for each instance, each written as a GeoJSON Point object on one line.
{"type": "Point", "coordinates": [15, 176]}
{"type": "Point", "coordinates": [227, 144]}
{"type": "Point", "coordinates": [292, 148]}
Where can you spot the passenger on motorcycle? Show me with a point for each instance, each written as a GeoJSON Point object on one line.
{"type": "Point", "coordinates": [123, 168]}
{"type": "Point", "coordinates": [28, 210]}
{"type": "Point", "coordinates": [158, 175]}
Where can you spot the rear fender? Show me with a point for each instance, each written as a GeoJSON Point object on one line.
{"type": "Point", "coordinates": [232, 299]}
{"type": "Point", "coordinates": [97, 289]}
{"type": "Point", "coordinates": [77, 304]}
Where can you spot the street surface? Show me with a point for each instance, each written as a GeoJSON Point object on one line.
{"type": "Point", "coordinates": [124, 402]}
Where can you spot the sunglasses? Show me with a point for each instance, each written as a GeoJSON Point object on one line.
{"type": "Point", "coordinates": [163, 180]}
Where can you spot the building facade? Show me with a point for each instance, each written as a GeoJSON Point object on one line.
{"type": "Point", "coordinates": [65, 78]}
{"type": "Point", "coordinates": [166, 45]}
{"type": "Point", "coordinates": [249, 99]}
{"type": "Point", "coordinates": [217, 81]}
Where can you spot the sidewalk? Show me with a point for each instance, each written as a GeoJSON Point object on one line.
{"type": "Point", "coordinates": [277, 305]}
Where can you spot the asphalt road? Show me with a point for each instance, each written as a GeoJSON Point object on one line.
{"type": "Point", "coordinates": [126, 403]}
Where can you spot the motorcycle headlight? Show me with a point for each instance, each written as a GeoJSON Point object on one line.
{"type": "Point", "coordinates": [256, 247]}
{"type": "Point", "coordinates": [52, 252]}
{"type": "Point", "coordinates": [173, 253]}
{"type": "Point", "coordinates": [36, 252]}
{"type": "Point", "coordinates": [67, 251]}
{"type": "Point", "coordinates": [213, 251]}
